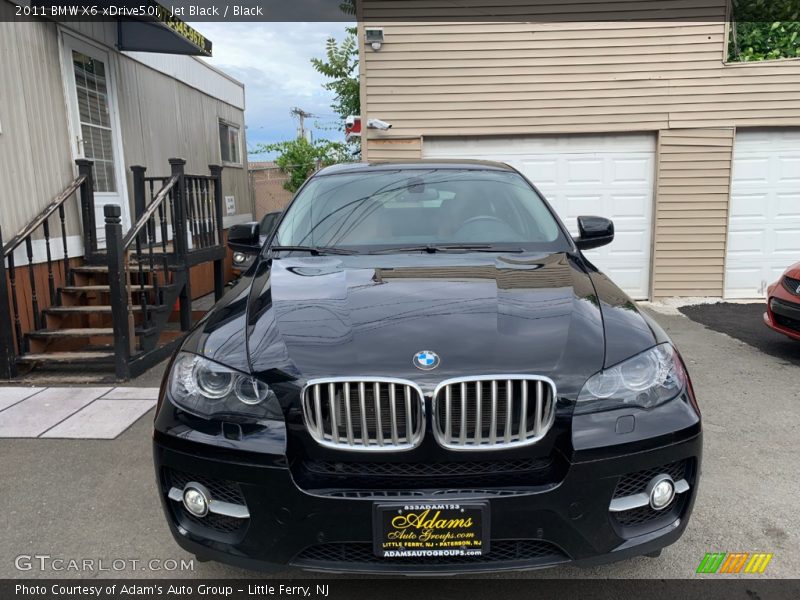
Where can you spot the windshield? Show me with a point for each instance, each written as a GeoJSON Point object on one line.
{"type": "Point", "coordinates": [424, 207]}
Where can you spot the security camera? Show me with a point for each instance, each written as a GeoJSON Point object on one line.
{"type": "Point", "coordinates": [378, 124]}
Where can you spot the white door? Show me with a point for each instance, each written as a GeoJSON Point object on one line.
{"type": "Point", "coordinates": [94, 124]}
{"type": "Point", "coordinates": [605, 175]}
{"type": "Point", "coordinates": [764, 213]}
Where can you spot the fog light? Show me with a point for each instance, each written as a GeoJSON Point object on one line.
{"type": "Point", "coordinates": [662, 492]}
{"type": "Point", "coordinates": [238, 258]}
{"type": "Point", "coordinates": [195, 499]}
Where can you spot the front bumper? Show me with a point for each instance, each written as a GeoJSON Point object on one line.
{"type": "Point", "coordinates": [534, 527]}
{"type": "Point", "coordinates": [783, 313]}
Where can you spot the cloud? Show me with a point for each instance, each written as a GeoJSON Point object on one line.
{"type": "Point", "coordinates": [273, 62]}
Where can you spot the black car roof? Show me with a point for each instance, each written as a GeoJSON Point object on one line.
{"type": "Point", "coordinates": [441, 163]}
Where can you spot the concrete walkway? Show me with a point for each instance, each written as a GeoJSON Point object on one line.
{"type": "Point", "coordinates": [72, 412]}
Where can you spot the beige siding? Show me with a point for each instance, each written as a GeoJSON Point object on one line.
{"type": "Point", "coordinates": [694, 169]}
{"type": "Point", "coordinates": [452, 79]}
{"type": "Point", "coordinates": [396, 148]}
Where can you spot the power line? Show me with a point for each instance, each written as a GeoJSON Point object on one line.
{"type": "Point", "coordinates": [301, 115]}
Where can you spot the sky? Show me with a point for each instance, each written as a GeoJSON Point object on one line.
{"type": "Point", "coordinates": [273, 62]}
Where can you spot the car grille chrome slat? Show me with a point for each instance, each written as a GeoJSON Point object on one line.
{"type": "Point", "coordinates": [498, 411]}
{"type": "Point", "coordinates": [367, 414]}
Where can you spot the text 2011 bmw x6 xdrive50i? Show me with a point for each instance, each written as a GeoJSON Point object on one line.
{"type": "Point", "coordinates": [423, 373]}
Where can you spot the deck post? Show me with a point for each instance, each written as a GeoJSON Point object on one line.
{"type": "Point", "coordinates": [219, 264]}
{"type": "Point", "coordinates": [8, 367]}
{"type": "Point", "coordinates": [87, 208]}
{"type": "Point", "coordinates": [139, 202]}
{"type": "Point", "coordinates": [117, 281]}
{"type": "Point", "coordinates": [177, 166]}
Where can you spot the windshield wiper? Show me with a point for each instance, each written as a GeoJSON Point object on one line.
{"type": "Point", "coordinates": [314, 250]}
{"type": "Point", "coordinates": [434, 248]}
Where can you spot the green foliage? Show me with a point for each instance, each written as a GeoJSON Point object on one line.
{"type": "Point", "coordinates": [341, 66]}
{"type": "Point", "coordinates": [299, 158]}
{"type": "Point", "coordinates": [764, 30]}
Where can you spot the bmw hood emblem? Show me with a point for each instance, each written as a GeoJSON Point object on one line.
{"type": "Point", "coordinates": [426, 360]}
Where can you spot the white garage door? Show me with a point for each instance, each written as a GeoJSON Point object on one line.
{"type": "Point", "coordinates": [764, 222]}
{"type": "Point", "coordinates": [609, 176]}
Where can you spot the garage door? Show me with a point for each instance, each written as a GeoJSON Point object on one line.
{"type": "Point", "coordinates": [610, 176]}
{"type": "Point", "coordinates": [764, 221]}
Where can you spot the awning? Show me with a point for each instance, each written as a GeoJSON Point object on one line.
{"type": "Point", "coordinates": [161, 33]}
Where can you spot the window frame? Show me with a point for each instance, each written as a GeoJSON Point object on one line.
{"type": "Point", "coordinates": [230, 125]}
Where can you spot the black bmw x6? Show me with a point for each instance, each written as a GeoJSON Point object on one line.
{"type": "Point", "coordinates": [423, 373]}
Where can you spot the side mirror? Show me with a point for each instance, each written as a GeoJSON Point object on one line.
{"type": "Point", "coordinates": [269, 221]}
{"type": "Point", "coordinates": [245, 238]}
{"type": "Point", "coordinates": [594, 232]}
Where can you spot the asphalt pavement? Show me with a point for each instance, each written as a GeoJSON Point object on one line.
{"type": "Point", "coordinates": [745, 323]}
{"type": "Point", "coordinates": [96, 499]}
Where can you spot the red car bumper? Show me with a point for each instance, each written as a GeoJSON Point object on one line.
{"type": "Point", "coordinates": [783, 305]}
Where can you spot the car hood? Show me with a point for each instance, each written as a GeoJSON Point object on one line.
{"type": "Point", "coordinates": [793, 271]}
{"type": "Point", "coordinates": [312, 317]}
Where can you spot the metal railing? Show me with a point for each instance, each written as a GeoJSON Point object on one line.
{"type": "Point", "coordinates": [13, 324]}
{"type": "Point", "coordinates": [178, 228]}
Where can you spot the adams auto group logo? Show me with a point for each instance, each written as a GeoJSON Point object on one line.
{"type": "Point", "coordinates": [426, 360]}
{"type": "Point", "coordinates": [734, 562]}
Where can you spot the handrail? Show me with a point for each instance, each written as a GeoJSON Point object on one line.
{"type": "Point", "coordinates": [149, 211]}
{"type": "Point", "coordinates": [43, 216]}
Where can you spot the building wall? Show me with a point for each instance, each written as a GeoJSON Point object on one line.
{"type": "Point", "coordinates": [691, 224]}
{"type": "Point", "coordinates": [528, 77]}
{"type": "Point", "coordinates": [266, 183]}
{"type": "Point", "coordinates": [35, 160]}
{"type": "Point", "coordinates": [448, 79]}
{"type": "Point", "coordinates": [161, 117]}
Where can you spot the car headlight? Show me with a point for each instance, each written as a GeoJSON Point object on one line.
{"type": "Point", "coordinates": [645, 381]}
{"type": "Point", "coordinates": [239, 258]}
{"type": "Point", "coordinates": [209, 389]}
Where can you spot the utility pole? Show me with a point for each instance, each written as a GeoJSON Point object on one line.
{"type": "Point", "coordinates": [301, 116]}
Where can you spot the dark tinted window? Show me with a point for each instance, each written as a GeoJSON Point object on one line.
{"type": "Point", "coordinates": [425, 206]}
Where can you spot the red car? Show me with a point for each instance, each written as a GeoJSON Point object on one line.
{"type": "Point", "coordinates": [783, 303]}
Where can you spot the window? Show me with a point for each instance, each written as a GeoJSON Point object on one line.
{"type": "Point", "coordinates": [95, 119]}
{"type": "Point", "coordinates": [229, 144]}
{"type": "Point", "coordinates": [382, 208]}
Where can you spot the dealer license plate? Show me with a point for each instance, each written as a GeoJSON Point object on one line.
{"type": "Point", "coordinates": [430, 529]}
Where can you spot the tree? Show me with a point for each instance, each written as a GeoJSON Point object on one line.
{"type": "Point", "coordinates": [341, 66]}
{"type": "Point", "coordinates": [299, 158]}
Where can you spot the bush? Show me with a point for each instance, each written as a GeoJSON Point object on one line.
{"type": "Point", "coordinates": [299, 158]}
{"type": "Point", "coordinates": [764, 30]}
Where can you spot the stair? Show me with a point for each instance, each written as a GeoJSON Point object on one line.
{"type": "Point", "coordinates": [93, 356]}
{"type": "Point", "coordinates": [85, 289]}
{"type": "Point", "coordinates": [78, 330]}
